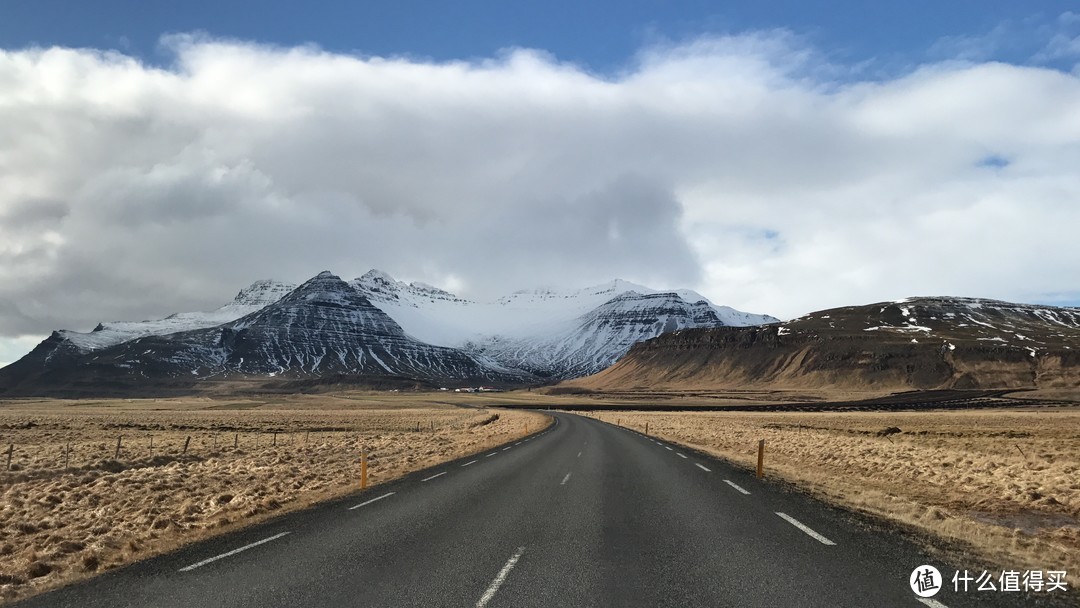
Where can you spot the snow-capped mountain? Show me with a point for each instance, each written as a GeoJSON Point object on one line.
{"type": "Point", "coordinates": [323, 327]}
{"type": "Point", "coordinates": [249, 300]}
{"type": "Point", "coordinates": [439, 317]}
{"type": "Point", "coordinates": [597, 339]}
{"type": "Point", "coordinates": [375, 325]}
{"type": "Point", "coordinates": [552, 333]}
{"type": "Point", "coordinates": [914, 343]}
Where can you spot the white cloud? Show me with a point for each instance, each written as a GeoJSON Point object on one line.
{"type": "Point", "coordinates": [743, 166]}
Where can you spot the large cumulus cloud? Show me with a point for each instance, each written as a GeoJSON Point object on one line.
{"type": "Point", "coordinates": [744, 166]}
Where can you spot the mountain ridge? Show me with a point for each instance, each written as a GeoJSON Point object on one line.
{"type": "Point", "coordinates": [910, 344]}
{"type": "Point", "coordinates": [371, 325]}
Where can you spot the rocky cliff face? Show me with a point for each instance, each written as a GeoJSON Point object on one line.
{"type": "Point", "coordinates": [921, 343]}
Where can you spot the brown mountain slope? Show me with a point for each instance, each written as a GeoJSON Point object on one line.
{"type": "Point", "coordinates": [919, 343]}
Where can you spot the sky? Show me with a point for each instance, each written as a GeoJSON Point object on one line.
{"type": "Point", "coordinates": [777, 157]}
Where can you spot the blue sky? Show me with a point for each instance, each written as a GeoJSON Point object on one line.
{"type": "Point", "coordinates": [604, 36]}
{"type": "Point", "coordinates": [779, 156]}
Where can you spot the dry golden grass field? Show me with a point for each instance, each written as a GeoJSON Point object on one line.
{"type": "Point", "coordinates": [70, 507]}
{"type": "Point", "coordinates": [1002, 488]}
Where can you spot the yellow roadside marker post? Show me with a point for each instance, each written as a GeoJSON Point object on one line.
{"type": "Point", "coordinates": [363, 469]}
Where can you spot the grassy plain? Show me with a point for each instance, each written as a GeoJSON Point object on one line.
{"type": "Point", "coordinates": [1001, 488]}
{"type": "Point", "coordinates": [71, 507]}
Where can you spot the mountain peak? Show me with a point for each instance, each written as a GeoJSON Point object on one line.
{"type": "Point", "coordinates": [323, 287]}
{"type": "Point", "coordinates": [262, 292]}
{"type": "Point", "coordinates": [376, 275]}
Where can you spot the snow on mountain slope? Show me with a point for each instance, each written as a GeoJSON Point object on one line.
{"type": "Point", "coordinates": [598, 338]}
{"type": "Point", "coordinates": [439, 317]}
{"type": "Point", "coordinates": [374, 326]}
{"type": "Point", "coordinates": [323, 327]}
{"type": "Point", "coordinates": [249, 300]}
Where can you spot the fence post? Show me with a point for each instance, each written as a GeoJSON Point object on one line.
{"type": "Point", "coordinates": [363, 469]}
{"type": "Point", "coordinates": [236, 440]}
{"type": "Point", "coordinates": [151, 446]}
{"type": "Point", "coordinates": [275, 440]}
{"type": "Point", "coordinates": [646, 428]}
{"type": "Point", "coordinates": [67, 452]}
{"type": "Point", "coordinates": [186, 442]}
{"type": "Point", "coordinates": [118, 439]}
{"type": "Point", "coordinates": [10, 451]}
{"type": "Point", "coordinates": [760, 458]}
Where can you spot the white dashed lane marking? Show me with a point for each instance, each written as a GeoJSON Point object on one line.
{"type": "Point", "coordinates": [493, 588]}
{"type": "Point", "coordinates": [703, 467]}
{"type": "Point", "coordinates": [736, 486]}
{"type": "Point", "coordinates": [434, 476]}
{"type": "Point", "coordinates": [565, 479]}
{"type": "Point", "coordinates": [233, 552]}
{"type": "Point", "coordinates": [470, 462]}
{"type": "Point", "coordinates": [368, 502]}
{"type": "Point", "coordinates": [798, 524]}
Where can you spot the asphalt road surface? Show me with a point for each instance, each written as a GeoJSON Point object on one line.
{"type": "Point", "coordinates": [582, 514]}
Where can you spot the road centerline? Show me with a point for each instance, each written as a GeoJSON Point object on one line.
{"type": "Point", "coordinates": [433, 476]}
{"type": "Point", "coordinates": [368, 502]}
{"type": "Point", "coordinates": [230, 553]}
{"type": "Point", "coordinates": [703, 467]}
{"type": "Point", "coordinates": [500, 578]}
{"type": "Point", "coordinates": [798, 524]}
{"type": "Point", "coordinates": [931, 602]}
{"type": "Point", "coordinates": [565, 479]}
{"type": "Point", "coordinates": [470, 462]}
{"type": "Point", "coordinates": [681, 455]}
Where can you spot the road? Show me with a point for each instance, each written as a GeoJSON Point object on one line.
{"type": "Point", "coordinates": [583, 514]}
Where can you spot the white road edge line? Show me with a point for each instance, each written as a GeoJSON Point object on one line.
{"type": "Point", "coordinates": [931, 602]}
{"type": "Point", "coordinates": [500, 578]}
{"type": "Point", "coordinates": [681, 455]}
{"type": "Point", "coordinates": [470, 462]}
{"type": "Point", "coordinates": [434, 476]}
{"type": "Point", "coordinates": [368, 502]}
{"type": "Point", "coordinates": [798, 524]}
{"type": "Point", "coordinates": [736, 486]}
{"type": "Point", "coordinates": [703, 467]}
{"type": "Point", "coordinates": [233, 552]}
{"type": "Point", "coordinates": [565, 479]}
